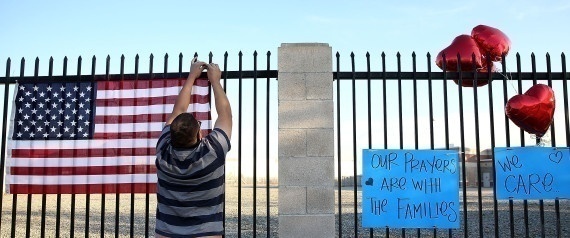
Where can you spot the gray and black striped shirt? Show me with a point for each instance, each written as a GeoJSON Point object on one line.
{"type": "Point", "coordinates": [190, 188]}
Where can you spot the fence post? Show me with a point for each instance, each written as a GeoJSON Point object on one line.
{"type": "Point", "coordinates": [306, 140]}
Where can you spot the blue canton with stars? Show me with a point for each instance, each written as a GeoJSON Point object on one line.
{"type": "Point", "coordinates": [45, 111]}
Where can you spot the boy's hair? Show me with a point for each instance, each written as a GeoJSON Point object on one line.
{"type": "Point", "coordinates": [184, 130]}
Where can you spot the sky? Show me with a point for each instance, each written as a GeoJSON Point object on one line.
{"type": "Point", "coordinates": [44, 29]}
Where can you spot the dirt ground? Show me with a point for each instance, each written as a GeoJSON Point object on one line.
{"type": "Point", "coordinates": [245, 219]}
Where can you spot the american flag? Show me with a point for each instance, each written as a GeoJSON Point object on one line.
{"type": "Point", "coordinates": [93, 137]}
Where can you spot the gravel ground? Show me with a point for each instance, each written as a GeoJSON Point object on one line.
{"type": "Point", "coordinates": [534, 222]}
{"type": "Point", "coordinates": [504, 222]}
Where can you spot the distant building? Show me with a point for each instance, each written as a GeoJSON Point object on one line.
{"type": "Point", "coordinates": [486, 165]}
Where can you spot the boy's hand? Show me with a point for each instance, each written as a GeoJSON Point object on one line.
{"type": "Point", "coordinates": [196, 68]}
{"type": "Point", "coordinates": [214, 73]}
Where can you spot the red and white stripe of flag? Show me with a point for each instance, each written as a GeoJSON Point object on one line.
{"type": "Point", "coordinates": [129, 117]}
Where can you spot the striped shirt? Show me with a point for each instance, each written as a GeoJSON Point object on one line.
{"type": "Point", "coordinates": [190, 188]}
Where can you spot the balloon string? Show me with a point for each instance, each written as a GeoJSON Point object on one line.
{"type": "Point", "coordinates": [541, 142]}
{"type": "Point", "coordinates": [509, 78]}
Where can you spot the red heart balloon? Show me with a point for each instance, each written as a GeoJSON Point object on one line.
{"type": "Point", "coordinates": [466, 47]}
{"type": "Point", "coordinates": [491, 40]}
{"type": "Point", "coordinates": [532, 111]}
{"type": "Point", "coordinates": [467, 77]}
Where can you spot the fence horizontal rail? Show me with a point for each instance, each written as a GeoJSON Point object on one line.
{"type": "Point", "coordinates": [117, 77]}
{"type": "Point", "coordinates": [273, 74]}
{"type": "Point", "coordinates": [448, 75]}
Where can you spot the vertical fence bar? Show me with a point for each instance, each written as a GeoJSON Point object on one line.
{"type": "Point", "coordinates": [385, 113]}
{"type": "Point", "coordinates": [415, 96]}
{"type": "Point", "coordinates": [533, 66]}
{"type": "Point", "coordinates": [565, 93]}
{"type": "Point", "coordinates": [58, 212]}
{"type": "Point", "coordinates": [415, 89]}
{"type": "Point", "coordinates": [339, 178]}
{"type": "Point", "coordinates": [15, 201]}
{"type": "Point", "coordinates": [567, 122]}
{"type": "Point", "coordinates": [400, 116]}
{"type": "Point", "coordinates": [180, 58]}
{"type": "Point", "coordinates": [15, 196]}
{"type": "Point", "coordinates": [430, 105]}
{"type": "Point", "coordinates": [4, 143]}
{"type": "Point", "coordinates": [147, 195]}
{"type": "Point", "coordinates": [103, 194]}
{"type": "Point", "coordinates": [505, 98]}
{"type": "Point", "coordinates": [477, 145]}
{"type": "Point", "coordinates": [60, 170]}
{"type": "Point", "coordinates": [29, 200]}
{"type": "Point", "coordinates": [553, 143]}
{"type": "Point", "coordinates": [534, 82]}
{"type": "Point", "coordinates": [225, 74]}
{"type": "Point", "coordinates": [239, 140]}
{"type": "Point", "coordinates": [117, 194]}
{"type": "Point", "coordinates": [65, 60]}
{"type": "Point", "coordinates": [368, 94]}
{"type": "Point", "coordinates": [538, 142]}
{"type": "Point", "coordinates": [446, 114]}
{"type": "Point", "coordinates": [519, 84]}
{"type": "Point", "coordinates": [254, 144]}
{"type": "Point", "coordinates": [462, 136]}
{"type": "Point", "coordinates": [164, 117]}
{"type": "Point", "coordinates": [44, 196]}
{"type": "Point", "coordinates": [267, 178]}
{"type": "Point", "coordinates": [88, 196]}
{"type": "Point", "coordinates": [549, 76]}
{"type": "Point", "coordinates": [132, 211]}
{"type": "Point", "coordinates": [74, 170]}
{"type": "Point", "coordinates": [210, 57]}
{"type": "Point", "coordinates": [492, 131]}
{"type": "Point", "coordinates": [355, 188]}
{"type": "Point", "coordinates": [72, 220]}
{"type": "Point", "coordinates": [4, 130]}
{"type": "Point", "coordinates": [165, 64]}
{"type": "Point", "coordinates": [508, 144]}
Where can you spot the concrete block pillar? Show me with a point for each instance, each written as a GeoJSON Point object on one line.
{"type": "Point", "coordinates": [306, 141]}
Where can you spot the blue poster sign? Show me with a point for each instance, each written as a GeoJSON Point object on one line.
{"type": "Point", "coordinates": [410, 189]}
{"type": "Point", "coordinates": [532, 172]}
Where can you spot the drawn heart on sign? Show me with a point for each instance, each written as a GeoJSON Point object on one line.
{"type": "Point", "coordinates": [369, 182]}
{"type": "Point", "coordinates": [555, 157]}
{"type": "Point", "coordinates": [532, 111]}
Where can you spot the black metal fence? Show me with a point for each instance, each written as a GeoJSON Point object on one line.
{"type": "Point", "coordinates": [391, 109]}
{"type": "Point", "coordinates": [375, 108]}
{"type": "Point", "coordinates": [250, 196]}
